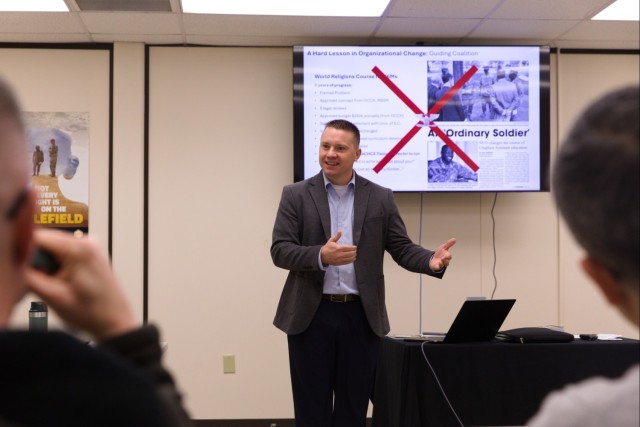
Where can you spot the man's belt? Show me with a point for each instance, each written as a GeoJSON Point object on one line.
{"type": "Point", "coordinates": [341, 297]}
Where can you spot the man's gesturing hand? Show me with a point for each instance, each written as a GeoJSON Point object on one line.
{"type": "Point", "coordinates": [441, 258]}
{"type": "Point", "coordinates": [333, 253]}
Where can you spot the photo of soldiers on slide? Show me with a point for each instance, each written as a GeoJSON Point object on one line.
{"type": "Point", "coordinates": [498, 91]}
{"type": "Point", "coordinates": [504, 94]}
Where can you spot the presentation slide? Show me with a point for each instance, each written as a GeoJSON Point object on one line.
{"type": "Point", "coordinates": [436, 119]}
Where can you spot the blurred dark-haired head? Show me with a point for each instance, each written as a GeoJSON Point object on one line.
{"type": "Point", "coordinates": [596, 182]}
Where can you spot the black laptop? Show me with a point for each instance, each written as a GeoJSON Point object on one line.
{"type": "Point", "coordinates": [477, 321]}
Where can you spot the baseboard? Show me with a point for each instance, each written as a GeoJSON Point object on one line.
{"type": "Point", "coordinates": [250, 423]}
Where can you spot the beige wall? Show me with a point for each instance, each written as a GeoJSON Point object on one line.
{"type": "Point", "coordinates": [128, 170]}
{"type": "Point", "coordinates": [220, 151]}
{"type": "Point", "coordinates": [582, 78]}
{"type": "Point", "coordinates": [68, 80]}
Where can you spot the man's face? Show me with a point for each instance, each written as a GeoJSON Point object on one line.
{"type": "Point", "coordinates": [447, 155]}
{"type": "Point", "coordinates": [337, 154]}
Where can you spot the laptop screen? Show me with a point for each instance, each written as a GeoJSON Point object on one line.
{"type": "Point", "coordinates": [477, 321]}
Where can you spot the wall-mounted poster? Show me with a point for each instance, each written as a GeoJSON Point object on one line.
{"type": "Point", "coordinates": [58, 147]}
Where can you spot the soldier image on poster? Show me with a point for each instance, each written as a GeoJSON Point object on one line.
{"type": "Point", "coordinates": [38, 160]}
{"type": "Point", "coordinates": [63, 193]}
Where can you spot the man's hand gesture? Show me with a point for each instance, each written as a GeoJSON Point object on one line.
{"type": "Point", "coordinates": [333, 253]}
{"type": "Point", "coordinates": [442, 257]}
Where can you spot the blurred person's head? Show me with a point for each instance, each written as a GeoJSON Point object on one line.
{"type": "Point", "coordinates": [595, 185]}
{"type": "Point", "coordinates": [16, 203]}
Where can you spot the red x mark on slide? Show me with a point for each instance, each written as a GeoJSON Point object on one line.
{"type": "Point", "coordinates": [434, 110]}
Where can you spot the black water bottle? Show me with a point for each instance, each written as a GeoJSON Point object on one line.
{"type": "Point", "coordinates": [38, 316]}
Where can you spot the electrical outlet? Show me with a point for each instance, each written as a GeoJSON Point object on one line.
{"type": "Point", "coordinates": [228, 364]}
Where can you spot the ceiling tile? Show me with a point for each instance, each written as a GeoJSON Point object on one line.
{"type": "Point", "coordinates": [521, 29]}
{"type": "Point", "coordinates": [299, 26]}
{"type": "Point", "coordinates": [40, 23]}
{"type": "Point", "coordinates": [442, 9]}
{"type": "Point", "coordinates": [426, 28]}
{"type": "Point", "coordinates": [555, 22]}
{"type": "Point", "coordinates": [549, 9]}
{"type": "Point", "coordinates": [505, 42]}
{"type": "Point", "coordinates": [604, 30]}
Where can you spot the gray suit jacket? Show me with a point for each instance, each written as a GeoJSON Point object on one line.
{"type": "Point", "coordinates": [303, 226]}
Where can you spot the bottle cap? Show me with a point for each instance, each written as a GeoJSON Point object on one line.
{"type": "Point", "coordinates": [38, 306]}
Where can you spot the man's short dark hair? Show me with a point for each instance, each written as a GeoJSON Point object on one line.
{"type": "Point", "coordinates": [345, 125]}
{"type": "Point", "coordinates": [596, 180]}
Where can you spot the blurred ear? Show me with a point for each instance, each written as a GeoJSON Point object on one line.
{"type": "Point", "coordinates": [606, 282]}
{"type": "Point", "coordinates": [24, 229]}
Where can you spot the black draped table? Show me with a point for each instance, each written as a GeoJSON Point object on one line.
{"type": "Point", "coordinates": [488, 384]}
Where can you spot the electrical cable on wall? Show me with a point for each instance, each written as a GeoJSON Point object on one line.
{"type": "Point", "coordinates": [495, 258]}
{"type": "Point", "coordinates": [420, 275]}
{"type": "Point", "coordinates": [495, 287]}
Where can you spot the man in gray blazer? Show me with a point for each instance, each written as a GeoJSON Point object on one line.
{"type": "Point", "coordinates": [331, 232]}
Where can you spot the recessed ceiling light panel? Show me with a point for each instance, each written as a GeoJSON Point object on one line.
{"type": "Point", "coordinates": [33, 6]}
{"type": "Point", "coordinates": [366, 8]}
{"type": "Point", "coordinates": [620, 10]}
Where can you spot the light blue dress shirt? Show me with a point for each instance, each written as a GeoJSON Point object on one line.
{"type": "Point", "coordinates": [340, 279]}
